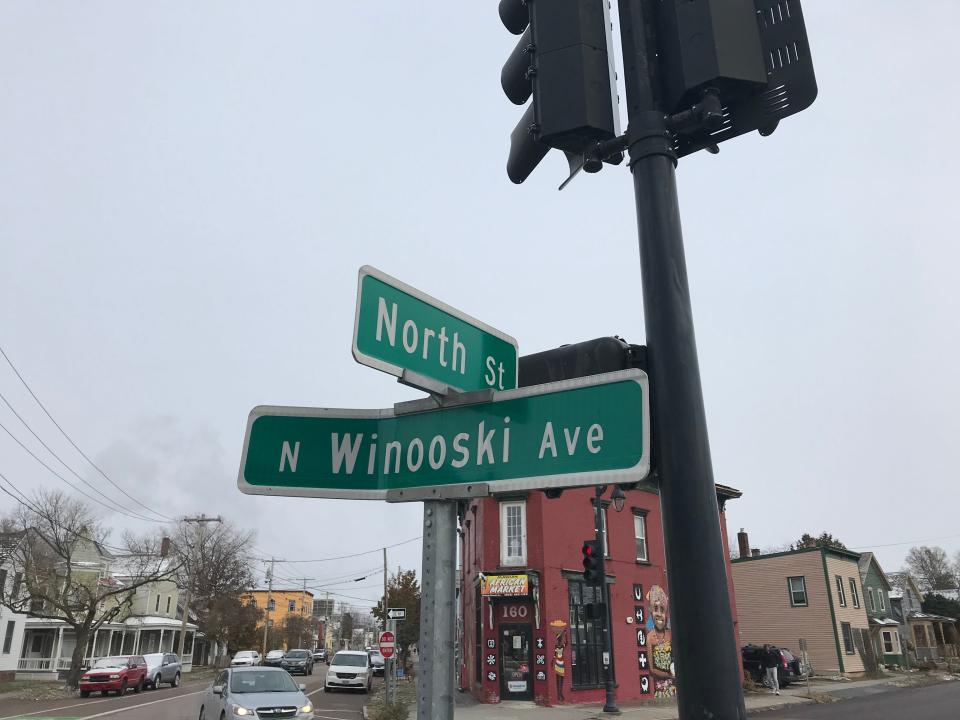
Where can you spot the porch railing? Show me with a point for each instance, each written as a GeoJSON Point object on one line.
{"type": "Point", "coordinates": [35, 664]}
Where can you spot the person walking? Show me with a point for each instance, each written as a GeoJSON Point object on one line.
{"type": "Point", "coordinates": [771, 658]}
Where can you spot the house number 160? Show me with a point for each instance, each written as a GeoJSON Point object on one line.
{"type": "Point", "coordinates": [514, 611]}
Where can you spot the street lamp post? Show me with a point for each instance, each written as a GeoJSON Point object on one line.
{"type": "Point", "coordinates": [618, 498]}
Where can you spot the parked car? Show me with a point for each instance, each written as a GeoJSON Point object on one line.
{"type": "Point", "coordinates": [162, 668]}
{"type": "Point", "coordinates": [377, 662]}
{"type": "Point", "coordinates": [788, 668]}
{"type": "Point", "coordinates": [245, 692]}
{"type": "Point", "coordinates": [320, 655]}
{"type": "Point", "coordinates": [274, 658]}
{"type": "Point", "coordinates": [349, 669]}
{"type": "Point", "coordinates": [245, 658]}
{"type": "Point", "coordinates": [116, 673]}
{"type": "Point", "coordinates": [298, 661]}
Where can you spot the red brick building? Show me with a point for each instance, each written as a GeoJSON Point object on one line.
{"type": "Point", "coordinates": [526, 612]}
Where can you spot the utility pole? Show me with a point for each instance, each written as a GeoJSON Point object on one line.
{"type": "Point", "coordinates": [266, 619]}
{"type": "Point", "coordinates": [600, 533]}
{"type": "Point", "coordinates": [303, 600]}
{"type": "Point", "coordinates": [388, 662]}
{"type": "Point", "coordinates": [201, 523]}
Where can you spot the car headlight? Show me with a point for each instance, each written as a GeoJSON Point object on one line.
{"type": "Point", "coordinates": [114, 677]}
{"type": "Point", "coordinates": [308, 708]}
{"type": "Point", "coordinates": [241, 711]}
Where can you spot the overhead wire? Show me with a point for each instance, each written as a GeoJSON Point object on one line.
{"type": "Point", "coordinates": [340, 557]}
{"type": "Point", "coordinates": [117, 508]}
{"type": "Point", "coordinates": [62, 462]}
{"type": "Point", "coordinates": [70, 440]}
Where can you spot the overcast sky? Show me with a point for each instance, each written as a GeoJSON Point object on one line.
{"type": "Point", "coordinates": [187, 191]}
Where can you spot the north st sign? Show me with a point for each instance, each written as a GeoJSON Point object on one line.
{"type": "Point", "coordinates": [587, 431]}
{"type": "Point", "coordinates": [400, 330]}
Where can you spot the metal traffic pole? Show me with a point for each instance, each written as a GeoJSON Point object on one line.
{"type": "Point", "coordinates": [436, 672]}
{"type": "Point", "coordinates": [708, 682]}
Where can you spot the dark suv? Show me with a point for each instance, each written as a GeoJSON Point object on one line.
{"type": "Point", "coordinates": [300, 661]}
{"type": "Point", "coordinates": [788, 669]}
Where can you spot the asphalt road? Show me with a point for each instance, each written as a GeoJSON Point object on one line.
{"type": "Point", "coordinates": [182, 703]}
{"type": "Point", "coordinates": [936, 702]}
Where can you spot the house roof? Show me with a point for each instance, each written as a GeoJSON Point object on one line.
{"type": "Point", "coordinates": [846, 554]}
{"type": "Point", "coordinates": [899, 581]}
{"type": "Point", "coordinates": [865, 560]}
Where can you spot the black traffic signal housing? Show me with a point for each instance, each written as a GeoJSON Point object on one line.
{"type": "Point", "coordinates": [564, 59]}
{"type": "Point", "coordinates": [747, 60]}
{"type": "Point", "coordinates": [593, 567]}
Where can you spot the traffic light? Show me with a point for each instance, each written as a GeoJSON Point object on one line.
{"type": "Point", "coordinates": [564, 59]}
{"type": "Point", "coordinates": [744, 63]}
{"type": "Point", "coordinates": [593, 568]}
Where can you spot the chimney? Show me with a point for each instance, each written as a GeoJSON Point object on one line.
{"type": "Point", "coordinates": [164, 547]}
{"type": "Point", "coordinates": [755, 552]}
{"type": "Point", "coordinates": [743, 543]}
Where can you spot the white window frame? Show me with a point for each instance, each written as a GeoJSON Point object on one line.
{"type": "Point", "coordinates": [871, 603]}
{"type": "Point", "coordinates": [291, 606]}
{"type": "Point", "coordinates": [640, 535]}
{"type": "Point", "coordinates": [841, 594]}
{"type": "Point", "coordinates": [603, 531]}
{"type": "Point", "coordinates": [883, 605]}
{"type": "Point", "coordinates": [156, 607]}
{"type": "Point", "coordinates": [791, 591]}
{"type": "Point", "coordinates": [507, 560]}
{"type": "Point", "coordinates": [894, 640]}
{"type": "Point", "coordinates": [169, 598]}
{"type": "Point", "coordinates": [854, 593]}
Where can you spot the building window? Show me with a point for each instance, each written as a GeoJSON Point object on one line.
{"type": "Point", "coordinates": [291, 605]}
{"type": "Point", "coordinates": [588, 623]}
{"type": "Point", "coordinates": [37, 646]}
{"type": "Point", "coordinates": [920, 635]}
{"type": "Point", "coordinates": [889, 647]}
{"type": "Point", "coordinates": [513, 533]}
{"type": "Point", "coordinates": [640, 534]}
{"type": "Point", "coordinates": [15, 592]}
{"type": "Point", "coordinates": [269, 623]}
{"type": "Point", "coordinates": [847, 638]}
{"type": "Point", "coordinates": [3, 582]}
{"type": "Point", "coordinates": [880, 601]}
{"type": "Point", "coordinates": [841, 596]}
{"type": "Point", "coordinates": [156, 605]}
{"type": "Point", "coordinates": [870, 604]}
{"type": "Point", "coordinates": [271, 604]}
{"type": "Point", "coordinates": [253, 602]}
{"type": "Point", "coordinates": [603, 531]}
{"type": "Point", "coordinates": [169, 598]}
{"type": "Point", "coordinates": [854, 595]}
{"type": "Point", "coordinates": [8, 637]}
{"type": "Point", "coordinates": [798, 591]}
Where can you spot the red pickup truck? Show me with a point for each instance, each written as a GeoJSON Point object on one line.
{"type": "Point", "coordinates": [115, 673]}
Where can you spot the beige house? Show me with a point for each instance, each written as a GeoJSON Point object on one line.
{"type": "Point", "coordinates": [809, 601]}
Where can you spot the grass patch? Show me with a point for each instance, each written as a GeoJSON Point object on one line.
{"type": "Point", "coordinates": [36, 689]}
{"type": "Point", "coordinates": [399, 709]}
{"type": "Point", "coordinates": [200, 675]}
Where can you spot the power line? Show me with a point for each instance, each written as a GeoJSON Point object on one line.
{"type": "Point", "coordinates": [61, 461]}
{"type": "Point", "coordinates": [345, 557]}
{"type": "Point", "coordinates": [116, 506]}
{"type": "Point", "coordinates": [906, 542]}
{"type": "Point", "coordinates": [69, 439]}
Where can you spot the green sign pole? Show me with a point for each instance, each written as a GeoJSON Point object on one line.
{"type": "Point", "coordinates": [427, 343]}
{"type": "Point", "coordinates": [587, 431]}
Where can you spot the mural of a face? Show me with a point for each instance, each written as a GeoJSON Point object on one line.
{"type": "Point", "coordinates": [658, 607]}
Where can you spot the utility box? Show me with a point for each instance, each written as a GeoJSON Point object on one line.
{"type": "Point", "coordinates": [708, 44]}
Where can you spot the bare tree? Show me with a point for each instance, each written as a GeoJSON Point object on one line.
{"type": "Point", "coordinates": [215, 562]}
{"type": "Point", "coordinates": [69, 574]}
{"type": "Point", "coordinates": [931, 568]}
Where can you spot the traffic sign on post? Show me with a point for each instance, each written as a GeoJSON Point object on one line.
{"type": "Point", "coordinates": [387, 642]}
{"type": "Point", "coordinates": [396, 613]}
{"type": "Point", "coordinates": [427, 343]}
{"type": "Point", "coordinates": [588, 431]}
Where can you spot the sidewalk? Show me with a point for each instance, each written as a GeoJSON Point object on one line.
{"type": "Point", "coordinates": [755, 702]}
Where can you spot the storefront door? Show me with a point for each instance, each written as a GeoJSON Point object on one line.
{"type": "Point", "coordinates": [516, 680]}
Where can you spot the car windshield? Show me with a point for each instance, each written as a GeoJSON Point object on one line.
{"type": "Point", "coordinates": [275, 653]}
{"type": "Point", "coordinates": [153, 658]}
{"type": "Point", "coordinates": [111, 662]}
{"type": "Point", "coordinates": [260, 681]}
{"type": "Point", "coordinates": [349, 660]}
{"type": "Point", "coordinates": [243, 654]}
{"type": "Point", "coordinates": [297, 654]}
{"type": "Point", "coordinates": [787, 654]}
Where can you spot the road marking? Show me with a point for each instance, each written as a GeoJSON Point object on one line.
{"type": "Point", "coordinates": [140, 705]}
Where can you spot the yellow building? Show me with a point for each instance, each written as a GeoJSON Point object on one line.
{"type": "Point", "coordinates": [279, 604]}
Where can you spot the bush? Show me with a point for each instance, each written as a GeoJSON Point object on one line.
{"type": "Point", "coordinates": [390, 711]}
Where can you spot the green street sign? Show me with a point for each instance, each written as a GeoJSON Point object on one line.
{"type": "Point", "coordinates": [427, 343]}
{"type": "Point", "coordinates": [587, 431]}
